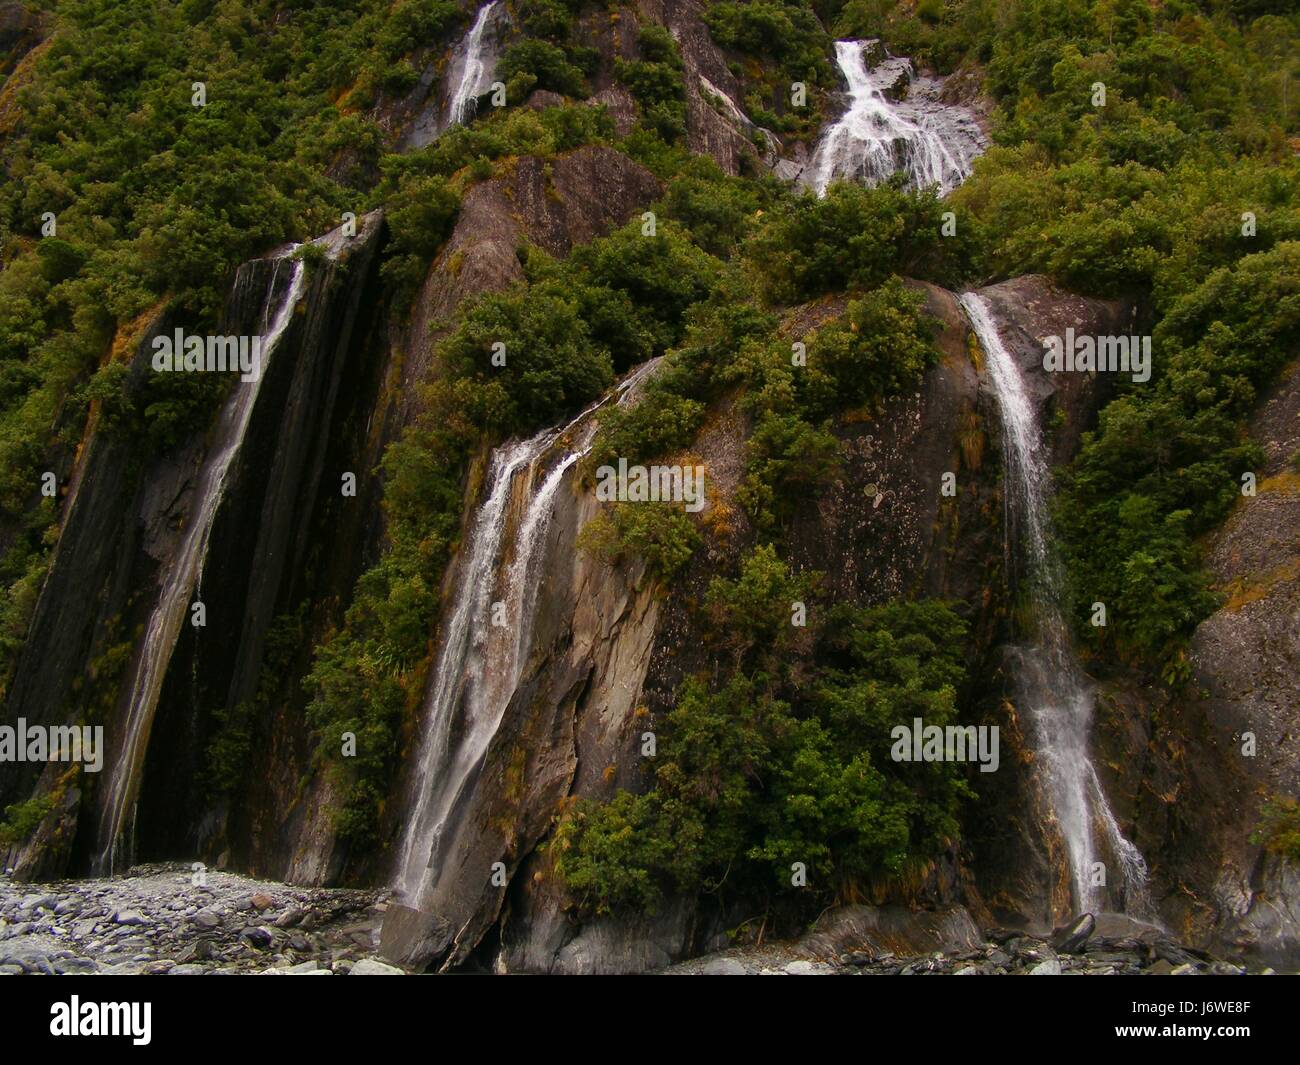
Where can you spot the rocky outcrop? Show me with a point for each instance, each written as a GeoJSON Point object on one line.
{"type": "Point", "coordinates": [21, 29]}
{"type": "Point", "coordinates": [715, 124]}
{"type": "Point", "coordinates": [1231, 738]}
{"type": "Point", "coordinates": [555, 204]}
{"type": "Point", "coordinates": [283, 535]}
{"type": "Point", "coordinates": [608, 654]}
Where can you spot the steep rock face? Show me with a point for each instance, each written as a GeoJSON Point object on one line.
{"type": "Point", "coordinates": [555, 205]}
{"type": "Point", "coordinates": [573, 716]}
{"type": "Point", "coordinates": [1017, 876]}
{"type": "Point", "coordinates": [717, 131]}
{"type": "Point", "coordinates": [1197, 787]}
{"type": "Point", "coordinates": [885, 529]}
{"type": "Point", "coordinates": [21, 29]}
{"type": "Point", "coordinates": [608, 655]}
{"type": "Point", "coordinates": [121, 531]}
{"type": "Point", "coordinates": [285, 536]}
{"type": "Point", "coordinates": [77, 617]}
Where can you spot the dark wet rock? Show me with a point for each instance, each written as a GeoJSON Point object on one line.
{"type": "Point", "coordinates": [1072, 938]}
{"type": "Point", "coordinates": [413, 938]}
{"type": "Point", "coordinates": [291, 917]}
{"type": "Point", "coordinates": [258, 937]}
{"type": "Point", "coordinates": [878, 931]}
{"type": "Point", "coordinates": [22, 28]}
{"type": "Point", "coordinates": [120, 533]}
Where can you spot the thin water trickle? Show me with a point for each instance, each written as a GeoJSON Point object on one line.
{"type": "Point", "coordinates": [1050, 685]}
{"type": "Point", "coordinates": [164, 626]}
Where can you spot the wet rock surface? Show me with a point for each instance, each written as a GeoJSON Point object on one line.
{"type": "Point", "coordinates": [1108, 945]}
{"type": "Point", "coordinates": [157, 921]}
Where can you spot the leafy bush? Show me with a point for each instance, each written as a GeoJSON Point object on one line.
{"type": "Point", "coordinates": [548, 63]}
{"type": "Point", "coordinates": [1165, 462]}
{"type": "Point", "coordinates": [656, 83]}
{"type": "Point", "coordinates": [1279, 829]}
{"type": "Point", "coordinates": [855, 238]}
{"type": "Point", "coordinates": [23, 818]}
{"type": "Point", "coordinates": [759, 772]}
{"type": "Point", "coordinates": [659, 533]}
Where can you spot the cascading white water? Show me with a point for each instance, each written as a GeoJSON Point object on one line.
{"type": "Point", "coordinates": [180, 579]}
{"type": "Point", "coordinates": [1050, 683]}
{"type": "Point", "coordinates": [478, 664]}
{"type": "Point", "coordinates": [931, 142]}
{"type": "Point", "coordinates": [475, 76]}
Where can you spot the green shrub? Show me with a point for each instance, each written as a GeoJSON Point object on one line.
{"type": "Point", "coordinates": [659, 533]}
{"type": "Point", "coordinates": [756, 772]}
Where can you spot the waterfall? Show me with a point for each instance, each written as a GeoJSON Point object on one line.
{"type": "Point", "coordinates": [475, 75]}
{"type": "Point", "coordinates": [931, 142]}
{"type": "Point", "coordinates": [478, 663]}
{"type": "Point", "coordinates": [1050, 685]}
{"type": "Point", "coordinates": [180, 580]}
{"type": "Point", "coordinates": [468, 75]}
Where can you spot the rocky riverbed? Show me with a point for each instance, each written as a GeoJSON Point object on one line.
{"type": "Point", "coordinates": [158, 920]}
{"type": "Point", "coordinates": [1008, 954]}
{"type": "Point", "coordinates": [166, 920]}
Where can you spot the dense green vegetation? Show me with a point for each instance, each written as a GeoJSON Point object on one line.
{"type": "Point", "coordinates": [1166, 463]}
{"type": "Point", "coordinates": [156, 201]}
{"type": "Point", "coordinates": [777, 46]}
{"type": "Point", "coordinates": [657, 83]}
{"type": "Point", "coordinates": [1179, 192]}
{"type": "Point", "coordinates": [784, 762]}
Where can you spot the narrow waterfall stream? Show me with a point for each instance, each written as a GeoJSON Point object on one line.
{"type": "Point", "coordinates": [1051, 688]}
{"type": "Point", "coordinates": [478, 664]}
{"type": "Point", "coordinates": [467, 76]}
{"type": "Point", "coordinates": [178, 583]}
{"type": "Point", "coordinates": [878, 136]}
{"type": "Point", "coordinates": [475, 73]}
